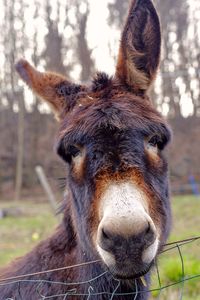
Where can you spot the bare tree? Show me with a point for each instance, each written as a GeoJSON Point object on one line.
{"type": "Point", "coordinates": [53, 43]}
{"type": "Point", "coordinates": [82, 50]}
{"type": "Point", "coordinates": [21, 111]}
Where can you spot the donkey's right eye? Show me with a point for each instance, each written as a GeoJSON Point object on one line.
{"type": "Point", "coordinates": [73, 151]}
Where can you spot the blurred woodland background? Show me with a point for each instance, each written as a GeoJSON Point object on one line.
{"type": "Point", "coordinates": [76, 38]}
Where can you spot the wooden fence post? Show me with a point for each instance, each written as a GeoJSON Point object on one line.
{"type": "Point", "coordinates": [46, 186]}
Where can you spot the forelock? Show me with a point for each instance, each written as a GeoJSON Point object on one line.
{"type": "Point", "coordinates": [119, 113]}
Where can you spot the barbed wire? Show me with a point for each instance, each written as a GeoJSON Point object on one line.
{"type": "Point", "coordinates": [71, 291]}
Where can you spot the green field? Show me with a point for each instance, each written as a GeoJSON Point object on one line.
{"type": "Point", "coordinates": [18, 235]}
{"type": "Point", "coordinates": [186, 224]}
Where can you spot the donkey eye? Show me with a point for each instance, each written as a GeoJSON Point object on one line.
{"type": "Point", "coordinates": [73, 151]}
{"type": "Point", "coordinates": [154, 143]}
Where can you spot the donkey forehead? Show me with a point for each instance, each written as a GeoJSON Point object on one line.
{"type": "Point", "coordinates": [113, 116]}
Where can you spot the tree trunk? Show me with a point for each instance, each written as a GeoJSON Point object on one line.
{"type": "Point", "coordinates": [20, 149]}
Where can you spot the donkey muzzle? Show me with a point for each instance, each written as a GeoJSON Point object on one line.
{"type": "Point", "coordinates": [127, 239]}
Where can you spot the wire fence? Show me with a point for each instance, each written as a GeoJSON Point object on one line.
{"type": "Point", "coordinates": [38, 283]}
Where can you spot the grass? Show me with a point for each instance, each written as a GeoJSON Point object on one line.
{"type": "Point", "coordinates": [185, 225]}
{"type": "Point", "coordinates": [19, 235]}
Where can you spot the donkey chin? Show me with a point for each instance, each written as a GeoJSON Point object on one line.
{"type": "Point", "coordinates": [127, 238]}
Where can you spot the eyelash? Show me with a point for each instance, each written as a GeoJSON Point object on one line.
{"type": "Point", "coordinates": [73, 151]}
{"type": "Point", "coordinates": [156, 141]}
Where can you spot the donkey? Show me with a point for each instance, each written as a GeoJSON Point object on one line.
{"type": "Point", "coordinates": [117, 211]}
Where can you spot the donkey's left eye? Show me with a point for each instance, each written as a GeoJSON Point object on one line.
{"type": "Point", "coordinates": [154, 143]}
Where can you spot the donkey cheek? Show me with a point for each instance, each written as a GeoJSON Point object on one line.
{"type": "Point", "coordinates": [78, 168]}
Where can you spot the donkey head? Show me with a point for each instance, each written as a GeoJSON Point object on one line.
{"type": "Point", "coordinates": [112, 140]}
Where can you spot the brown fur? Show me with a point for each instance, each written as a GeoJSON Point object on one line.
{"type": "Point", "coordinates": [48, 86]}
{"type": "Point", "coordinates": [102, 183]}
{"type": "Point", "coordinates": [79, 166]}
{"type": "Point", "coordinates": [110, 122]}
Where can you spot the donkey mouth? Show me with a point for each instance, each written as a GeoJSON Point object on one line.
{"type": "Point", "coordinates": [129, 273]}
{"type": "Point", "coordinates": [127, 266]}
{"type": "Point", "coordinates": [130, 276]}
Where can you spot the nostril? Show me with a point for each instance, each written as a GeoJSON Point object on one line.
{"type": "Point", "coordinates": [107, 240]}
{"type": "Point", "coordinates": [105, 235]}
{"type": "Point", "coordinates": [148, 228]}
{"type": "Point", "coordinates": [149, 233]}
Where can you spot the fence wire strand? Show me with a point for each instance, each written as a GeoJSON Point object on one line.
{"type": "Point", "coordinates": [159, 280]}
{"type": "Point", "coordinates": [39, 283]}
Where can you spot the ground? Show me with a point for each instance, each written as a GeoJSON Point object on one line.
{"type": "Point", "coordinates": [20, 234]}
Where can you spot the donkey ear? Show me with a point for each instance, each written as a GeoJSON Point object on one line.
{"type": "Point", "coordinates": [54, 88]}
{"type": "Point", "coordinates": [139, 51]}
